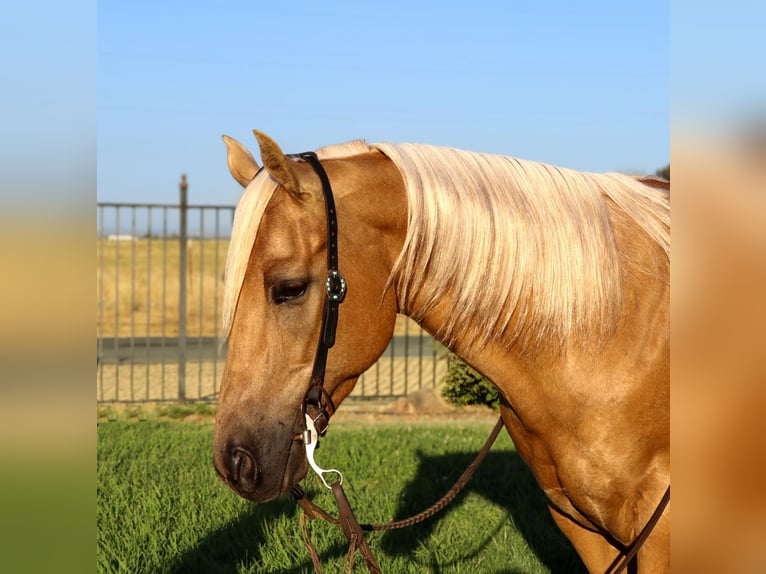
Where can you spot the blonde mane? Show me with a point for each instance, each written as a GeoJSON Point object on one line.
{"type": "Point", "coordinates": [525, 250]}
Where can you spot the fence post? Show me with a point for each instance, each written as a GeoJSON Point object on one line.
{"type": "Point", "coordinates": [182, 291]}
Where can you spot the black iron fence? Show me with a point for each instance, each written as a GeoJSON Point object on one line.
{"type": "Point", "coordinates": [159, 284]}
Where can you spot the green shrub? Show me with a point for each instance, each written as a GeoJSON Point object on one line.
{"type": "Point", "coordinates": [465, 386]}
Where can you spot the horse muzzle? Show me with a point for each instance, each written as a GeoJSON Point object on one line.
{"type": "Point", "coordinates": [259, 478]}
{"type": "Point", "coordinates": [239, 469]}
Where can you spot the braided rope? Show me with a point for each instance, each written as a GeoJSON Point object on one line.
{"type": "Point", "coordinates": [314, 511]}
{"type": "Point", "coordinates": [450, 495]}
{"type": "Point", "coordinates": [354, 534]}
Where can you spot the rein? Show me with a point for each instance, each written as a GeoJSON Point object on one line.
{"type": "Point", "coordinates": [318, 407]}
{"type": "Point", "coordinates": [355, 531]}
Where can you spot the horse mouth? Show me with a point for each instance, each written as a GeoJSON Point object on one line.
{"type": "Point", "coordinates": [242, 471]}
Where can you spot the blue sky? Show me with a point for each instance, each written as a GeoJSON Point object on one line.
{"type": "Point", "coordinates": [582, 86]}
{"type": "Point", "coordinates": [578, 85]}
{"type": "Point", "coordinates": [717, 52]}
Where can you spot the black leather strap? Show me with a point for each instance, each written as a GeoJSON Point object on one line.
{"type": "Point", "coordinates": [317, 402]}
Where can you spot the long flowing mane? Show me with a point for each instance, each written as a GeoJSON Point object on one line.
{"type": "Point", "coordinates": [526, 250]}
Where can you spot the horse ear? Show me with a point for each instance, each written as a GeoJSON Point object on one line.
{"type": "Point", "coordinates": [242, 165]}
{"type": "Point", "coordinates": [276, 163]}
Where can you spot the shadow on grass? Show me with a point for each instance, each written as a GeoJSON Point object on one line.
{"type": "Point", "coordinates": [237, 545]}
{"type": "Point", "coordinates": [503, 479]}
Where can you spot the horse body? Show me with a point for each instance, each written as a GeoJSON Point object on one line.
{"type": "Point", "coordinates": [586, 409]}
{"type": "Point", "coordinates": [594, 429]}
{"type": "Point", "coordinates": [593, 423]}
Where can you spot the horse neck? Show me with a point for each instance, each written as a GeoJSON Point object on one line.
{"type": "Point", "coordinates": [386, 209]}
{"type": "Point", "coordinates": [644, 292]}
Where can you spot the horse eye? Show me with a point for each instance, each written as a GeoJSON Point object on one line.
{"type": "Point", "coordinates": [287, 291]}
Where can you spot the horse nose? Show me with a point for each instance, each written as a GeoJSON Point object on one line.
{"type": "Point", "coordinates": [241, 470]}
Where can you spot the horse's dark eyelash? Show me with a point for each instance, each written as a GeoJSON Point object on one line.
{"type": "Point", "coordinates": [286, 291]}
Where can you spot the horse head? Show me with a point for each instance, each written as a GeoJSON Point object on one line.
{"type": "Point", "coordinates": [274, 297]}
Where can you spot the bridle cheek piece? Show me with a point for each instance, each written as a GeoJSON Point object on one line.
{"type": "Point", "coordinates": [318, 405]}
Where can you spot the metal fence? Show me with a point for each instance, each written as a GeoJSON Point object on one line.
{"type": "Point", "coordinates": [159, 284]}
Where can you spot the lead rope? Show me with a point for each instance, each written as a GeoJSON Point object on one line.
{"type": "Point", "coordinates": [355, 531]}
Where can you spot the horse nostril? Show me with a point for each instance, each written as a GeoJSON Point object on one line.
{"type": "Point", "coordinates": [243, 471]}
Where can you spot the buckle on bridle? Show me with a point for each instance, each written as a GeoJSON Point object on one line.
{"type": "Point", "coordinates": [335, 285]}
{"type": "Point", "coordinates": [318, 405]}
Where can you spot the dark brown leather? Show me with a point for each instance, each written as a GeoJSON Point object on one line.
{"type": "Point", "coordinates": [352, 530]}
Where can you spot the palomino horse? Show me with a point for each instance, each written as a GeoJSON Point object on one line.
{"type": "Point", "coordinates": [552, 283]}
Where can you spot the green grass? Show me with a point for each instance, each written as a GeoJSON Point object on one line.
{"type": "Point", "coordinates": [161, 508]}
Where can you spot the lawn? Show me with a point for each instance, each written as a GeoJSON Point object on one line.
{"type": "Point", "coordinates": [161, 507]}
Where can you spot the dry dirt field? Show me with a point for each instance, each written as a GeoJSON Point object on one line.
{"type": "Point", "coordinates": [137, 286]}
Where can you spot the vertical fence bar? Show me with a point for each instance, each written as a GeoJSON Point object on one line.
{"type": "Point", "coordinates": [164, 292]}
{"type": "Point", "coordinates": [391, 378]}
{"type": "Point", "coordinates": [149, 270]}
{"type": "Point", "coordinates": [183, 187]}
{"type": "Point", "coordinates": [407, 357]}
{"type": "Point", "coordinates": [165, 241]}
{"type": "Point", "coordinates": [132, 299]}
{"type": "Point", "coordinates": [420, 359]}
{"type": "Point", "coordinates": [101, 318]}
{"type": "Point", "coordinates": [201, 299]}
{"type": "Point", "coordinates": [434, 360]}
{"type": "Point", "coordinates": [216, 275]}
{"type": "Point", "coordinates": [117, 302]}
